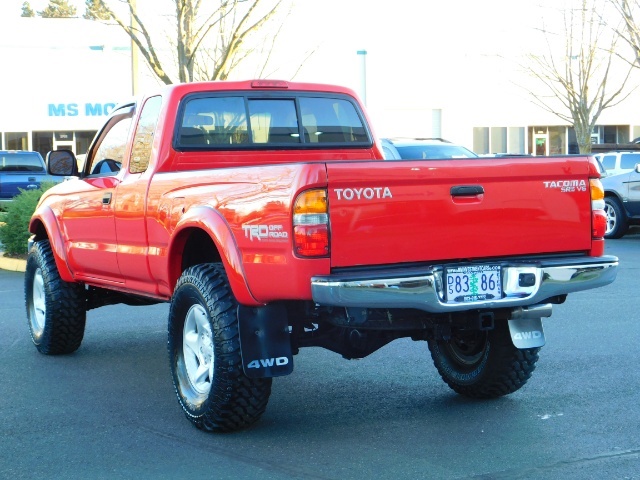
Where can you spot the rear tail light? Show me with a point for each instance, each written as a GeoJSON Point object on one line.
{"type": "Point", "coordinates": [311, 224]}
{"type": "Point", "coordinates": [598, 215]}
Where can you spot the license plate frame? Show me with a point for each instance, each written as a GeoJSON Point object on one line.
{"type": "Point", "coordinates": [466, 284]}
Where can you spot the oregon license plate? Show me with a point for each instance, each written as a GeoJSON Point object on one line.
{"type": "Point", "coordinates": [473, 283]}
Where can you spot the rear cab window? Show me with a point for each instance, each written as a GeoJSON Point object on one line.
{"type": "Point", "coordinates": [21, 162]}
{"type": "Point", "coordinates": [239, 121]}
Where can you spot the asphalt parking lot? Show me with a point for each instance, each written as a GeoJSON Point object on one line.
{"type": "Point", "coordinates": [108, 411]}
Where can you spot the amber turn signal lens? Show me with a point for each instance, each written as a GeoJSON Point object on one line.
{"type": "Point", "coordinates": [597, 190]}
{"type": "Point", "coordinates": [311, 201]}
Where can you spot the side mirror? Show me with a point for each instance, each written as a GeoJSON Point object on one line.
{"type": "Point", "coordinates": [62, 163]}
{"type": "Point", "coordinates": [637, 169]}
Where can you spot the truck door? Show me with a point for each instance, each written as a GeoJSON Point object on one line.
{"type": "Point", "coordinates": [131, 199]}
{"type": "Point", "coordinates": [89, 220]}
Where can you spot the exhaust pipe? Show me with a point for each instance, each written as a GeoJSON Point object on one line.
{"type": "Point", "coordinates": [532, 311]}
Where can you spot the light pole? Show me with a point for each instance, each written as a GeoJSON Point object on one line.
{"type": "Point", "coordinates": [362, 54]}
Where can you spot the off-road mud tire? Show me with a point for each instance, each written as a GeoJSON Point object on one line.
{"type": "Point", "coordinates": [222, 398]}
{"type": "Point", "coordinates": [483, 364]}
{"type": "Point", "coordinates": [56, 310]}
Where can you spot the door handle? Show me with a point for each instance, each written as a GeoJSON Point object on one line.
{"type": "Point", "coordinates": [466, 190]}
{"type": "Point", "coordinates": [106, 198]}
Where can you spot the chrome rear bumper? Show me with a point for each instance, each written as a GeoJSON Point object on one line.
{"type": "Point", "coordinates": [423, 288]}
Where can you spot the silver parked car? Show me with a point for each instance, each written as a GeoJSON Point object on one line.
{"type": "Point", "coordinates": [423, 148]}
{"type": "Point", "coordinates": [622, 201]}
{"type": "Point", "coordinates": [618, 162]}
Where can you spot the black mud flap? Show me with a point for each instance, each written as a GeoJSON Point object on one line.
{"type": "Point", "coordinates": [265, 341]}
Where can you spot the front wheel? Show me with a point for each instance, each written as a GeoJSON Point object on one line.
{"type": "Point", "coordinates": [56, 310]}
{"type": "Point", "coordinates": [204, 353]}
{"type": "Point", "coordinates": [483, 364]}
{"type": "Point", "coordinates": [617, 223]}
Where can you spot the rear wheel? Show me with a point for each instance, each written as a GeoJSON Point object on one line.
{"type": "Point", "coordinates": [56, 310]}
{"type": "Point", "coordinates": [617, 223]}
{"type": "Point", "coordinates": [483, 364]}
{"type": "Point", "coordinates": [204, 352]}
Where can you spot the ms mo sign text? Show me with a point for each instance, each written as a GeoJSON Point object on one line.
{"type": "Point", "coordinates": [74, 109]}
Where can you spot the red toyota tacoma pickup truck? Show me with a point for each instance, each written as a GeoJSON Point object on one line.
{"type": "Point", "coordinates": [265, 214]}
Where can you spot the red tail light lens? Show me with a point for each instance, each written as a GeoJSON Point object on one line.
{"type": "Point", "coordinates": [598, 216]}
{"type": "Point", "coordinates": [311, 241]}
{"type": "Point", "coordinates": [598, 223]}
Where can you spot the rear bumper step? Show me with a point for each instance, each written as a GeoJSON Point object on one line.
{"type": "Point", "coordinates": [423, 288]}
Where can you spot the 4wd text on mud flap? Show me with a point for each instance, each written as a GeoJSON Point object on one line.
{"type": "Point", "coordinates": [268, 362]}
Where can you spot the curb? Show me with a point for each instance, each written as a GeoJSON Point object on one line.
{"type": "Point", "coordinates": [12, 264]}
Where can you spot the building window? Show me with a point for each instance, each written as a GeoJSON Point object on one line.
{"type": "Point", "coordinates": [481, 140]}
{"type": "Point", "coordinates": [17, 140]}
{"type": "Point", "coordinates": [498, 140]}
{"type": "Point", "coordinates": [573, 142]}
{"type": "Point", "coordinates": [610, 134]}
{"type": "Point", "coordinates": [83, 140]}
{"type": "Point", "coordinates": [557, 140]}
{"type": "Point", "coordinates": [516, 140]}
{"type": "Point", "coordinates": [43, 142]}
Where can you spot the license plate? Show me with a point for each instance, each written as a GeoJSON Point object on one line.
{"type": "Point", "coordinates": [473, 283]}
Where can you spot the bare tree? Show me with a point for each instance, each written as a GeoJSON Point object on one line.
{"type": "Point", "coordinates": [630, 12]}
{"type": "Point", "coordinates": [208, 39]}
{"type": "Point", "coordinates": [580, 81]}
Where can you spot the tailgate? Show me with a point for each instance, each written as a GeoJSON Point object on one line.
{"type": "Point", "coordinates": [414, 211]}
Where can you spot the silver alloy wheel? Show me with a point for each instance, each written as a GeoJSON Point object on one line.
{"type": "Point", "coordinates": [611, 218]}
{"type": "Point", "coordinates": [197, 348]}
{"type": "Point", "coordinates": [37, 308]}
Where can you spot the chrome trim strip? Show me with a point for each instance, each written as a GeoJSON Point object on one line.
{"type": "Point", "coordinates": [424, 290]}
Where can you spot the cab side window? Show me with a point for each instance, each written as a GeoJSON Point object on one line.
{"type": "Point", "coordinates": [109, 152]}
{"type": "Point", "coordinates": [143, 140]}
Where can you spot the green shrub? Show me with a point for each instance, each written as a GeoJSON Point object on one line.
{"type": "Point", "coordinates": [15, 231]}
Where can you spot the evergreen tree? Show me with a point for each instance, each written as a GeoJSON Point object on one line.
{"type": "Point", "coordinates": [58, 9]}
{"type": "Point", "coordinates": [95, 10]}
{"type": "Point", "coordinates": [27, 11]}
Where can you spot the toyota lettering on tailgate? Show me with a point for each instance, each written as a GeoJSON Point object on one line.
{"type": "Point", "coordinates": [364, 193]}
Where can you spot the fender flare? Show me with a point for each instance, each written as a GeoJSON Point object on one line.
{"type": "Point", "coordinates": [45, 218]}
{"type": "Point", "coordinates": [211, 221]}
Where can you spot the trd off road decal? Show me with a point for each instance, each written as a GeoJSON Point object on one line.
{"type": "Point", "coordinates": [274, 233]}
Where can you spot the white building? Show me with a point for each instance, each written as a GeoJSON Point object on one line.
{"type": "Point", "coordinates": [61, 77]}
